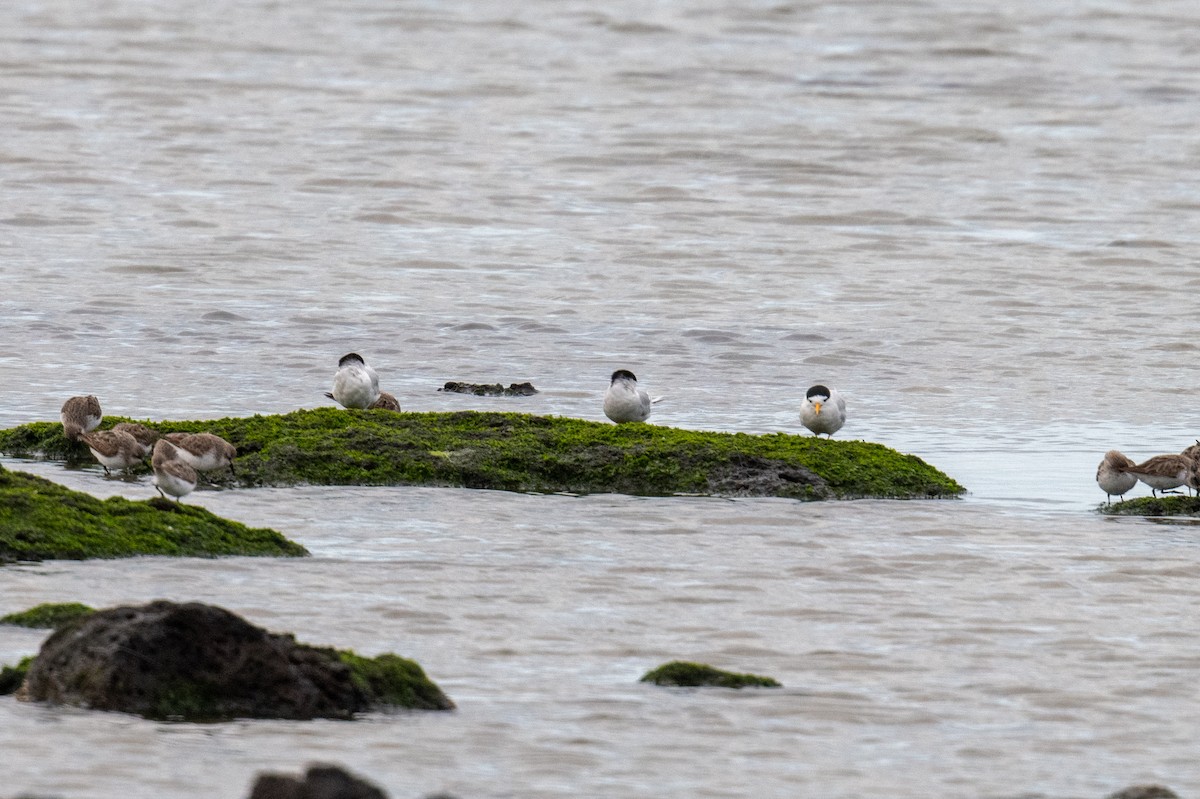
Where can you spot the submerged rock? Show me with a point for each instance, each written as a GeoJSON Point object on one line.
{"type": "Point", "coordinates": [682, 673]}
{"type": "Point", "coordinates": [522, 452]}
{"type": "Point", "coordinates": [1144, 792]}
{"type": "Point", "coordinates": [490, 389]}
{"type": "Point", "coordinates": [42, 520]}
{"type": "Point", "coordinates": [319, 782]}
{"type": "Point", "coordinates": [198, 662]}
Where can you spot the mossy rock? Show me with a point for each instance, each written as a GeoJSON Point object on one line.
{"type": "Point", "coordinates": [50, 615]}
{"type": "Point", "coordinates": [682, 673]}
{"type": "Point", "coordinates": [195, 662]}
{"type": "Point", "coordinates": [522, 452]}
{"type": "Point", "coordinates": [42, 520]}
{"type": "Point", "coordinates": [1154, 506]}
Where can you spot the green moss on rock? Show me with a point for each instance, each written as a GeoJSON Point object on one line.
{"type": "Point", "coordinates": [521, 452]}
{"type": "Point", "coordinates": [682, 673]}
{"type": "Point", "coordinates": [11, 677]}
{"type": "Point", "coordinates": [392, 681]}
{"type": "Point", "coordinates": [41, 520]}
{"type": "Point", "coordinates": [48, 615]}
{"type": "Point", "coordinates": [1154, 506]}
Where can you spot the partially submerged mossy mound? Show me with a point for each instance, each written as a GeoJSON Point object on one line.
{"type": "Point", "coordinates": [520, 452]}
{"type": "Point", "coordinates": [197, 662]}
{"type": "Point", "coordinates": [685, 674]}
{"type": "Point", "coordinates": [47, 615]}
{"type": "Point", "coordinates": [1154, 506]}
{"type": "Point", "coordinates": [41, 520]}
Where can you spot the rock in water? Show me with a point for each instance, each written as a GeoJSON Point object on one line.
{"type": "Point", "coordinates": [197, 662]}
{"type": "Point", "coordinates": [321, 782]}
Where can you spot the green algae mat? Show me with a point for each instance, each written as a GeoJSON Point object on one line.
{"type": "Point", "coordinates": [1154, 506]}
{"type": "Point", "coordinates": [521, 452]}
{"type": "Point", "coordinates": [41, 520]}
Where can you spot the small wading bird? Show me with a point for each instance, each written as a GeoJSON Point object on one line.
{"type": "Point", "coordinates": [1113, 475]}
{"type": "Point", "coordinates": [1163, 472]}
{"type": "Point", "coordinates": [355, 385]}
{"type": "Point", "coordinates": [823, 411]}
{"type": "Point", "coordinates": [80, 415]}
{"type": "Point", "coordinates": [142, 434]}
{"type": "Point", "coordinates": [386, 402]}
{"type": "Point", "coordinates": [172, 475]}
{"type": "Point", "coordinates": [114, 449]}
{"type": "Point", "coordinates": [204, 452]}
{"type": "Point", "coordinates": [624, 401]}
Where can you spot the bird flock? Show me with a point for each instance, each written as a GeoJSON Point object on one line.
{"type": "Point", "coordinates": [176, 459]}
{"type": "Point", "coordinates": [1118, 474]}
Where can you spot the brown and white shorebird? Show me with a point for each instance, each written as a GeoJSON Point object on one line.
{"type": "Point", "coordinates": [1163, 472]}
{"type": "Point", "coordinates": [80, 415]}
{"type": "Point", "coordinates": [172, 474]}
{"type": "Point", "coordinates": [1113, 475]}
{"type": "Point", "coordinates": [386, 401]}
{"type": "Point", "coordinates": [142, 434]}
{"type": "Point", "coordinates": [204, 452]}
{"type": "Point", "coordinates": [114, 449]}
{"type": "Point", "coordinates": [1193, 452]}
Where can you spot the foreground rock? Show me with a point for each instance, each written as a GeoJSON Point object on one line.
{"type": "Point", "coordinates": [1154, 506]}
{"type": "Point", "coordinates": [41, 520]}
{"type": "Point", "coordinates": [1145, 792]}
{"type": "Point", "coordinates": [682, 673]}
{"type": "Point", "coordinates": [520, 452]}
{"type": "Point", "coordinates": [196, 662]}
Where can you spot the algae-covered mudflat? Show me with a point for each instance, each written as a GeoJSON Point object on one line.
{"type": "Point", "coordinates": [522, 452]}
{"type": "Point", "coordinates": [41, 520]}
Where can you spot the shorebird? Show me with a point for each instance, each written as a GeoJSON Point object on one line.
{"type": "Point", "coordinates": [204, 452]}
{"type": "Point", "coordinates": [386, 401]}
{"type": "Point", "coordinates": [1114, 476]}
{"type": "Point", "coordinates": [355, 385]}
{"type": "Point", "coordinates": [1193, 452]}
{"type": "Point", "coordinates": [823, 411]}
{"type": "Point", "coordinates": [1164, 472]}
{"type": "Point", "coordinates": [80, 415]}
{"type": "Point", "coordinates": [172, 475]}
{"type": "Point", "coordinates": [142, 434]}
{"type": "Point", "coordinates": [624, 401]}
{"type": "Point", "coordinates": [114, 449]}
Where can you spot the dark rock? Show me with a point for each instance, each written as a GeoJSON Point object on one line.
{"type": "Point", "coordinates": [321, 782]}
{"type": "Point", "coordinates": [490, 389]}
{"type": "Point", "coordinates": [1145, 792]}
{"type": "Point", "coordinates": [755, 476]}
{"type": "Point", "coordinates": [195, 662]}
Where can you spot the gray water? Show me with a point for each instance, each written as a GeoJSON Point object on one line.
{"type": "Point", "coordinates": [975, 220]}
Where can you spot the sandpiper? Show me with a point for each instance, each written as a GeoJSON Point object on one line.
{"type": "Point", "coordinates": [142, 434]}
{"type": "Point", "coordinates": [624, 401]}
{"type": "Point", "coordinates": [386, 401]}
{"type": "Point", "coordinates": [355, 385]}
{"type": "Point", "coordinates": [80, 415]}
{"type": "Point", "coordinates": [823, 411]}
{"type": "Point", "coordinates": [172, 475]}
{"type": "Point", "coordinates": [114, 449]}
{"type": "Point", "coordinates": [204, 452]}
{"type": "Point", "coordinates": [1113, 475]}
{"type": "Point", "coordinates": [1163, 472]}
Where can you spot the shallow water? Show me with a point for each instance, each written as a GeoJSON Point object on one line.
{"type": "Point", "coordinates": [973, 221]}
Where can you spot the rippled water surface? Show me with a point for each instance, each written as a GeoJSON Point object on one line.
{"type": "Point", "coordinates": [976, 220]}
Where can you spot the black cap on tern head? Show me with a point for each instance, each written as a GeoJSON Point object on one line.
{"type": "Point", "coordinates": [817, 391]}
{"type": "Point", "coordinates": [625, 373]}
{"type": "Point", "coordinates": [351, 357]}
